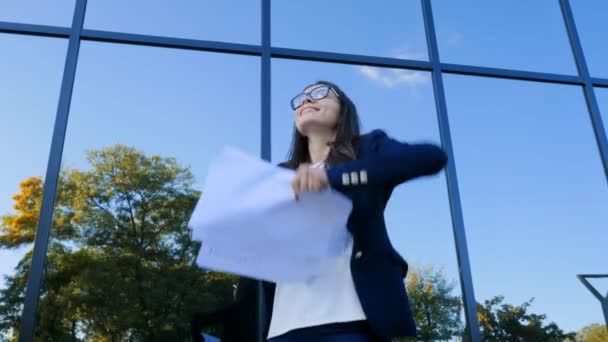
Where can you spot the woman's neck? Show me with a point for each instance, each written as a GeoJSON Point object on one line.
{"type": "Point", "coordinates": [318, 146]}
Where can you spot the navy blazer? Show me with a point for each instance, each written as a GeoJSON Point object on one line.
{"type": "Point", "coordinates": [378, 270]}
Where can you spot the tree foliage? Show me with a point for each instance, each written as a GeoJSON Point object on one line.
{"type": "Point", "coordinates": [591, 333]}
{"type": "Point", "coordinates": [435, 308]}
{"type": "Point", "coordinates": [120, 264]}
{"type": "Point", "coordinates": [499, 321]}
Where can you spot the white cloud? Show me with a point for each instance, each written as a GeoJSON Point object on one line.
{"type": "Point", "coordinates": [406, 52]}
{"type": "Point", "coordinates": [391, 78]}
{"type": "Point", "coordinates": [370, 72]}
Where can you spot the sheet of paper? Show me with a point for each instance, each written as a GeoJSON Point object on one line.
{"type": "Point", "coordinates": [250, 224]}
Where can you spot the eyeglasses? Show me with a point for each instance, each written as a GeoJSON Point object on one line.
{"type": "Point", "coordinates": [317, 93]}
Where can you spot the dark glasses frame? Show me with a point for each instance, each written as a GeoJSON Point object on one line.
{"type": "Point", "coordinates": [297, 101]}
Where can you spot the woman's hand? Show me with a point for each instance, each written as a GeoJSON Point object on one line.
{"type": "Point", "coordinates": [309, 179]}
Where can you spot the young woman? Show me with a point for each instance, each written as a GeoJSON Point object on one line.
{"type": "Point", "coordinates": [361, 295]}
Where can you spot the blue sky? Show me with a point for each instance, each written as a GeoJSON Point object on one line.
{"type": "Point", "coordinates": [532, 187]}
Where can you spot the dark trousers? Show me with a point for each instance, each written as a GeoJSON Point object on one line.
{"type": "Point", "coordinates": [338, 337]}
{"type": "Point", "coordinates": [350, 332]}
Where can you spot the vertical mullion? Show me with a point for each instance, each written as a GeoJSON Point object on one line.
{"type": "Point", "coordinates": [464, 267]}
{"type": "Point", "coordinates": [265, 138]}
{"type": "Point", "coordinates": [590, 99]}
{"type": "Point", "coordinates": [583, 71]}
{"type": "Point", "coordinates": [43, 231]}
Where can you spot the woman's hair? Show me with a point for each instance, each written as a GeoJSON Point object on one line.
{"type": "Point", "coordinates": [347, 134]}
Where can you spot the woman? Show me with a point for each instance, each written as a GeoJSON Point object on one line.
{"type": "Point", "coordinates": [359, 296]}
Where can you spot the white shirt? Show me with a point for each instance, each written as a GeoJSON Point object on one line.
{"type": "Point", "coordinates": [329, 297]}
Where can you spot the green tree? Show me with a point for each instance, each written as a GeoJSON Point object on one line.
{"type": "Point", "coordinates": [591, 333]}
{"type": "Point", "coordinates": [121, 261]}
{"type": "Point", "coordinates": [499, 321]}
{"type": "Point", "coordinates": [436, 309]}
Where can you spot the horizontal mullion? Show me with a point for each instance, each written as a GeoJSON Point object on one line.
{"type": "Point", "coordinates": [287, 53]}
{"type": "Point", "coordinates": [34, 30]}
{"type": "Point", "coordinates": [331, 57]}
{"type": "Point", "coordinates": [169, 42]}
{"type": "Point", "coordinates": [599, 82]}
{"type": "Point", "coordinates": [511, 74]}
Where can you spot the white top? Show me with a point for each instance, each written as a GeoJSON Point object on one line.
{"type": "Point", "coordinates": [329, 297]}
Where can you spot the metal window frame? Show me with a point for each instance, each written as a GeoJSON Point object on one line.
{"type": "Point", "coordinates": [76, 33]}
{"type": "Point", "coordinates": [595, 292]}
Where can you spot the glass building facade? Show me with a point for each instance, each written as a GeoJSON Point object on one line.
{"type": "Point", "coordinates": [112, 110]}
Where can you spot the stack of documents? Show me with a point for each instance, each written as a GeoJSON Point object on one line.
{"type": "Point", "coordinates": [250, 224]}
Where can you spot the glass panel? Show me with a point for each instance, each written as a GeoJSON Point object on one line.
{"type": "Point", "coordinates": [231, 21]}
{"type": "Point", "coordinates": [592, 27]}
{"type": "Point", "coordinates": [401, 103]}
{"type": "Point", "coordinates": [346, 27]}
{"type": "Point", "coordinates": [533, 191]}
{"type": "Point", "coordinates": [29, 93]}
{"type": "Point", "coordinates": [504, 34]}
{"type": "Point", "coordinates": [144, 124]}
{"type": "Point", "coordinates": [55, 13]}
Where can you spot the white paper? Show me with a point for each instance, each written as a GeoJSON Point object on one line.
{"type": "Point", "coordinates": [250, 224]}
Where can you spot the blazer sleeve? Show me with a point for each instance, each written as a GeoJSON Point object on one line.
{"type": "Point", "coordinates": [389, 163]}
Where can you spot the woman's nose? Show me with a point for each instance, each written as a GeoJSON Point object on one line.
{"type": "Point", "coordinates": [308, 99]}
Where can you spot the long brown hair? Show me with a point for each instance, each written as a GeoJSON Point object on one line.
{"type": "Point", "coordinates": [344, 147]}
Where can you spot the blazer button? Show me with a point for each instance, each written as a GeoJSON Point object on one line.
{"type": "Point", "coordinates": [358, 255]}
{"type": "Point", "coordinates": [345, 179]}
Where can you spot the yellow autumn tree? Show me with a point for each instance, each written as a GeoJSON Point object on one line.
{"type": "Point", "coordinates": [20, 228]}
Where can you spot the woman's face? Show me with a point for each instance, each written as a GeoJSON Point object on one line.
{"type": "Point", "coordinates": [321, 114]}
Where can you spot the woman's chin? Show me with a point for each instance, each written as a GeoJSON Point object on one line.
{"type": "Point", "coordinates": [311, 126]}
